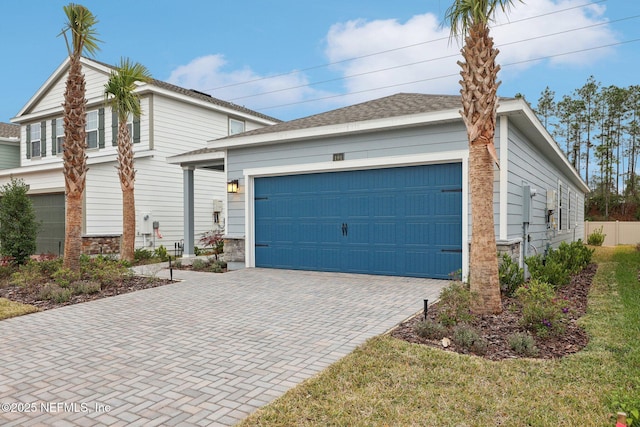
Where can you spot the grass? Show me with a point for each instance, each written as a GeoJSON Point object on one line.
{"type": "Point", "coordinates": [393, 383]}
{"type": "Point", "coordinates": [12, 309]}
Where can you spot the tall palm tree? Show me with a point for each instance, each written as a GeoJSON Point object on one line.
{"type": "Point", "coordinates": [80, 37]}
{"type": "Point", "coordinates": [470, 19]}
{"type": "Point", "coordinates": [119, 93]}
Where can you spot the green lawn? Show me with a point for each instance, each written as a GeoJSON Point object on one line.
{"type": "Point", "coordinates": [12, 309]}
{"type": "Point", "coordinates": [391, 382]}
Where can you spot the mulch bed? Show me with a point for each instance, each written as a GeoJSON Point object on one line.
{"type": "Point", "coordinates": [130, 284]}
{"type": "Point", "coordinates": [497, 328]}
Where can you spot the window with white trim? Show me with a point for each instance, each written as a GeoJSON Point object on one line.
{"type": "Point", "coordinates": [59, 135]}
{"type": "Point", "coordinates": [35, 140]}
{"type": "Point", "coordinates": [236, 126]}
{"type": "Point", "coordinates": [91, 129]}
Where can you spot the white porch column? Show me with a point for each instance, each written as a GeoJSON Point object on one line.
{"type": "Point", "coordinates": [188, 211]}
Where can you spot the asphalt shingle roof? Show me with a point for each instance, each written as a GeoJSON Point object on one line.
{"type": "Point", "coordinates": [400, 104]}
{"type": "Point", "coordinates": [8, 130]}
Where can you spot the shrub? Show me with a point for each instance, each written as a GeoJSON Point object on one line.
{"type": "Point", "coordinates": [55, 293]}
{"type": "Point", "coordinates": [28, 274]}
{"type": "Point", "coordinates": [214, 240]}
{"type": "Point", "coordinates": [161, 253]}
{"type": "Point", "coordinates": [523, 344]}
{"type": "Point", "coordinates": [511, 275]}
{"type": "Point", "coordinates": [597, 237]}
{"type": "Point", "coordinates": [430, 330]}
{"type": "Point", "coordinates": [142, 254]}
{"type": "Point", "coordinates": [550, 270]}
{"type": "Point", "coordinates": [104, 270]}
{"type": "Point", "coordinates": [542, 312]}
{"type": "Point", "coordinates": [573, 256]}
{"type": "Point", "coordinates": [469, 339]}
{"type": "Point", "coordinates": [18, 225]}
{"type": "Point", "coordinates": [200, 264]}
{"type": "Point", "coordinates": [86, 287]}
{"type": "Point", "coordinates": [455, 304]}
{"type": "Point", "coordinates": [64, 277]}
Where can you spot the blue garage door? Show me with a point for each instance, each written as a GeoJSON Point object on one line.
{"type": "Point", "coordinates": [403, 221]}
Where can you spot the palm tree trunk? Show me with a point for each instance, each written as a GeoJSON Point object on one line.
{"type": "Point", "coordinates": [127, 175]}
{"type": "Point", "coordinates": [74, 162]}
{"type": "Point", "coordinates": [479, 101]}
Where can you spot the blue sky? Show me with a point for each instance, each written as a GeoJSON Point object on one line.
{"type": "Point", "coordinates": [307, 57]}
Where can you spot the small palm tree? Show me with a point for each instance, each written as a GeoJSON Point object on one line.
{"type": "Point", "coordinates": [80, 37]}
{"type": "Point", "coordinates": [470, 19]}
{"type": "Point", "coordinates": [120, 94]}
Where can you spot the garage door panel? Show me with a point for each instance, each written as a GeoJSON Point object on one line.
{"type": "Point", "coordinates": [395, 221]}
{"type": "Point", "coordinates": [50, 213]}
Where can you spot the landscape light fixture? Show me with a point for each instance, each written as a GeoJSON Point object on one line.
{"type": "Point", "coordinates": [232, 186]}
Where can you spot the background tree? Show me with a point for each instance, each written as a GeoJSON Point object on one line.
{"type": "Point", "coordinates": [546, 106]}
{"type": "Point", "coordinates": [120, 94]}
{"type": "Point", "coordinates": [470, 19]}
{"type": "Point", "coordinates": [80, 37]}
{"type": "Point", "coordinates": [18, 225]}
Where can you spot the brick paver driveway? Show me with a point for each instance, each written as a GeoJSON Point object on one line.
{"type": "Point", "coordinates": [206, 351]}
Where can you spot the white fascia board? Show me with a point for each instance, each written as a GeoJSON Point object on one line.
{"type": "Point", "coordinates": [204, 104]}
{"type": "Point", "coordinates": [195, 158]}
{"type": "Point", "coordinates": [335, 130]}
{"type": "Point", "coordinates": [62, 69]}
{"type": "Point", "coordinates": [520, 105]}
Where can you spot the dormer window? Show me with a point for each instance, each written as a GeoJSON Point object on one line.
{"type": "Point", "coordinates": [235, 126]}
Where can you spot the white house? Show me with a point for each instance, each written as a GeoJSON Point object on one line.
{"type": "Point", "coordinates": [9, 146]}
{"type": "Point", "coordinates": [174, 120]}
{"type": "Point", "coordinates": [382, 188]}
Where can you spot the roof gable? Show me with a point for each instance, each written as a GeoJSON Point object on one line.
{"type": "Point", "coordinates": [56, 82]}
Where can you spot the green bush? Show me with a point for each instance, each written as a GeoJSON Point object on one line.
{"type": "Point", "coordinates": [28, 274]}
{"type": "Point", "coordinates": [18, 225]}
{"type": "Point", "coordinates": [142, 254]}
{"type": "Point", "coordinates": [523, 344]}
{"type": "Point", "coordinates": [455, 304]}
{"type": "Point", "coordinates": [430, 330]}
{"type": "Point", "coordinates": [597, 237]}
{"type": "Point", "coordinates": [104, 270]}
{"type": "Point", "coordinates": [200, 264]}
{"type": "Point", "coordinates": [161, 253]}
{"type": "Point", "coordinates": [86, 287]}
{"type": "Point", "coordinates": [573, 256]}
{"type": "Point", "coordinates": [511, 275]}
{"type": "Point", "coordinates": [469, 339]}
{"type": "Point", "coordinates": [550, 270]}
{"type": "Point", "coordinates": [53, 292]}
{"type": "Point", "coordinates": [64, 277]}
{"type": "Point", "coordinates": [542, 312]}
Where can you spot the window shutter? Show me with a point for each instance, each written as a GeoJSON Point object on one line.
{"type": "Point", "coordinates": [28, 141]}
{"type": "Point", "coordinates": [114, 128]}
{"type": "Point", "coordinates": [136, 130]}
{"type": "Point", "coordinates": [53, 137]}
{"type": "Point", "coordinates": [43, 139]}
{"type": "Point", "coordinates": [101, 128]}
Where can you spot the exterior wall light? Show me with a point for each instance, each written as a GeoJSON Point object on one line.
{"type": "Point", "coordinates": [232, 186]}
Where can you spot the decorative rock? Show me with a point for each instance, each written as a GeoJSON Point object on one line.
{"type": "Point", "coordinates": [446, 342]}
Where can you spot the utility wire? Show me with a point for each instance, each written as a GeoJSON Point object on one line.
{"type": "Point", "coordinates": [443, 76]}
{"type": "Point", "coordinates": [425, 61]}
{"type": "Point", "coordinates": [315, 67]}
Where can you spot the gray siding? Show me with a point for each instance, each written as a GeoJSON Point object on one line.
{"type": "Point", "coordinates": [9, 156]}
{"type": "Point", "coordinates": [527, 165]}
{"type": "Point", "coordinates": [418, 140]}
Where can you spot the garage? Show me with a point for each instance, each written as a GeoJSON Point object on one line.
{"type": "Point", "coordinates": [49, 210]}
{"type": "Point", "coordinates": [400, 221]}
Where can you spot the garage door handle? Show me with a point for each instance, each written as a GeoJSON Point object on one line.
{"type": "Point", "coordinates": [345, 229]}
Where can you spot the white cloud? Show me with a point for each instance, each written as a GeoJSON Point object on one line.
{"type": "Point", "coordinates": [209, 74]}
{"type": "Point", "coordinates": [519, 36]}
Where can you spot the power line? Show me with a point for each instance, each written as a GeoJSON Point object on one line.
{"type": "Point", "coordinates": [315, 67]}
{"type": "Point", "coordinates": [444, 76]}
{"type": "Point", "coordinates": [426, 60]}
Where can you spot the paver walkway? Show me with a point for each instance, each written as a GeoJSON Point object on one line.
{"type": "Point", "coordinates": [206, 351]}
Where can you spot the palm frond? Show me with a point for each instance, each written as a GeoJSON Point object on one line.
{"type": "Point", "coordinates": [120, 88]}
{"type": "Point", "coordinates": [463, 14]}
{"type": "Point", "coordinates": [81, 26]}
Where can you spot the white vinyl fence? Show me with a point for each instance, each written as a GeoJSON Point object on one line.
{"type": "Point", "coordinates": [617, 232]}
